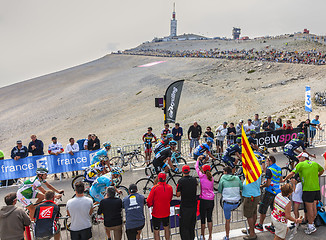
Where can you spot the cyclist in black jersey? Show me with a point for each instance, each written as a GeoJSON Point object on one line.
{"type": "Point", "coordinates": [149, 138]}
{"type": "Point", "coordinates": [163, 143]}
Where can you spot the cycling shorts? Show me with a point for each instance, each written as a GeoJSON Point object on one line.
{"type": "Point", "coordinates": [90, 176]}
{"type": "Point", "coordinates": [290, 154]}
{"type": "Point", "coordinates": [196, 156]}
{"type": "Point", "coordinates": [94, 160]}
{"type": "Point", "coordinates": [159, 165]}
{"type": "Point", "coordinates": [229, 160]}
{"type": "Point", "coordinates": [96, 195]}
{"type": "Point", "coordinates": [147, 148]}
{"type": "Point", "coordinates": [25, 201]}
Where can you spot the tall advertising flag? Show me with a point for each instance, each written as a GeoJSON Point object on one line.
{"type": "Point", "coordinates": [172, 97]}
{"type": "Point", "coordinates": [308, 104]}
{"type": "Point", "coordinates": [250, 165]}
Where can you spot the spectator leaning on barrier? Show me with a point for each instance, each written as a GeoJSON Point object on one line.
{"type": "Point", "coordinates": [208, 133]}
{"type": "Point", "coordinates": [93, 143]}
{"type": "Point", "coordinates": [187, 189]}
{"type": "Point", "coordinates": [288, 125]}
{"type": "Point", "coordinates": [273, 178]}
{"type": "Point", "coordinates": [257, 123]}
{"type": "Point", "coordinates": [46, 218]}
{"type": "Point", "coordinates": [304, 126]}
{"type": "Point", "coordinates": [278, 124]}
{"type": "Point", "coordinates": [194, 133]}
{"type": "Point", "coordinates": [249, 126]}
{"type": "Point", "coordinates": [134, 208]}
{"type": "Point", "coordinates": [269, 124]}
{"type": "Point", "coordinates": [160, 198]}
{"type": "Point", "coordinates": [309, 173]}
{"type": "Point", "coordinates": [177, 132]}
{"type": "Point", "coordinates": [13, 220]}
{"type": "Point", "coordinates": [231, 134]}
{"type": "Point", "coordinates": [230, 187]}
{"type": "Point", "coordinates": [36, 146]}
{"type": "Point", "coordinates": [55, 148]}
{"type": "Point", "coordinates": [89, 138]}
{"type": "Point", "coordinates": [221, 132]}
{"type": "Point", "coordinates": [315, 124]}
{"type": "Point", "coordinates": [251, 194]}
{"type": "Point", "coordinates": [239, 126]}
{"type": "Point", "coordinates": [80, 209]}
{"type": "Point", "coordinates": [72, 148]}
{"type": "Point", "coordinates": [19, 151]}
{"type": "Point", "coordinates": [111, 208]}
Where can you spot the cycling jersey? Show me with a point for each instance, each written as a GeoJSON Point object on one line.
{"type": "Point", "coordinates": [251, 140]}
{"type": "Point", "coordinates": [158, 161]}
{"type": "Point", "coordinates": [232, 149]}
{"type": "Point", "coordinates": [165, 132]}
{"type": "Point", "coordinates": [260, 157]}
{"type": "Point", "coordinates": [92, 171]}
{"type": "Point", "coordinates": [55, 147]}
{"type": "Point", "coordinates": [99, 185]}
{"type": "Point", "coordinates": [148, 138]}
{"type": "Point", "coordinates": [161, 145]}
{"type": "Point", "coordinates": [293, 145]}
{"type": "Point", "coordinates": [29, 190]}
{"type": "Point", "coordinates": [201, 149]}
{"type": "Point", "coordinates": [102, 152]}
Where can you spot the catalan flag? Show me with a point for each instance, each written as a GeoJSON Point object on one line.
{"type": "Point", "coordinates": [250, 165]}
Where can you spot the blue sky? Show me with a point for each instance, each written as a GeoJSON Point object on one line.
{"type": "Point", "coordinates": [41, 36]}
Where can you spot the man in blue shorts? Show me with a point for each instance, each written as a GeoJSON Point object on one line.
{"type": "Point", "coordinates": [103, 182]}
{"type": "Point", "coordinates": [292, 146]}
{"type": "Point", "coordinates": [204, 148]}
{"type": "Point", "coordinates": [231, 150]}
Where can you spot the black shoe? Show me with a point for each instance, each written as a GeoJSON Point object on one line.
{"type": "Point", "coordinates": [270, 228]}
{"type": "Point", "coordinates": [259, 227]}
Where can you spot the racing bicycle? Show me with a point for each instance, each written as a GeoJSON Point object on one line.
{"type": "Point", "coordinates": [135, 158]}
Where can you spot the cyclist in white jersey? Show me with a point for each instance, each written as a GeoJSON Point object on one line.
{"type": "Point", "coordinates": [30, 187]}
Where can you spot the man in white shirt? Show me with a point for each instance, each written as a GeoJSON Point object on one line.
{"type": "Point", "coordinates": [249, 126]}
{"type": "Point", "coordinates": [80, 209]}
{"type": "Point", "coordinates": [55, 148]}
{"type": "Point", "coordinates": [221, 132]}
{"type": "Point", "coordinates": [71, 148]}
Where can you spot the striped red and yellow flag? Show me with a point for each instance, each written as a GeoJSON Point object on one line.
{"type": "Point", "coordinates": [250, 165]}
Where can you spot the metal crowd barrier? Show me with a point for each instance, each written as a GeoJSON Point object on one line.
{"type": "Point", "coordinates": [320, 136]}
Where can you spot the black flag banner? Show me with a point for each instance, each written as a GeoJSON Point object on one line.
{"type": "Point", "coordinates": [172, 97]}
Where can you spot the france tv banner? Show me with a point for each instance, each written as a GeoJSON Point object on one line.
{"type": "Point", "coordinates": [26, 167]}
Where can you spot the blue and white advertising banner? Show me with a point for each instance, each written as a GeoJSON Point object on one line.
{"type": "Point", "coordinates": [308, 103]}
{"type": "Point", "coordinates": [26, 167]}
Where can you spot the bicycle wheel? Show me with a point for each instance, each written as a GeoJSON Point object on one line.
{"type": "Point", "coordinates": [217, 177]}
{"type": "Point", "coordinates": [149, 169]}
{"type": "Point", "coordinates": [144, 186]}
{"type": "Point", "coordinates": [78, 178]}
{"type": "Point", "coordinates": [173, 181]}
{"type": "Point", "coordinates": [182, 161]}
{"type": "Point", "coordinates": [217, 167]}
{"type": "Point", "coordinates": [193, 173]}
{"type": "Point", "coordinates": [124, 190]}
{"type": "Point", "coordinates": [116, 162]}
{"type": "Point", "coordinates": [138, 160]}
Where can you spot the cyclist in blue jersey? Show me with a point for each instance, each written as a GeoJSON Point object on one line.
{"type": "Point", "coordinates": [163, 143]}
{"type": "Point", "coordinates": [291, 148]}
{"type": "Point", "coordinates": [95, 170]}
{"type": "Point", "coordinates": [101, 183]}
{"type": "Point", "coordinates": [103, 152]}
{"type": "Point", "coordinates": [252, 141]}
{"type": "Point", "coordinates": [204, 148]}
{"type": "Point", "coordinates": [234, 149]}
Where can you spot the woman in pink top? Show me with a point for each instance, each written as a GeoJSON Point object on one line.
{"type": "Point", "coordinates": [206, 198]}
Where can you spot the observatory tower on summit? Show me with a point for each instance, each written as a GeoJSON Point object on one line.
{"type": "Point", "coordinates": [173, 32]}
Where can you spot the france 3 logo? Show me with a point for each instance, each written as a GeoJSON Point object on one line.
{"type": "Point", "coordinates": [42, 163]}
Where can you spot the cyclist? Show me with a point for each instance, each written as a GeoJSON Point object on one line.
{"type": "Point", "coordinates": [261, 157]}
{"type": "Point", "coordinates": [204, 148]}
{"type": "Point", "coordinates": [148, 139]}
{"type": "Point", "coordinates": [291, 147]}
{"type": "Point", "coordinates": [163, 143]}
{"type": "Point", "coordinates": [103, 152]}
{"type": "Point", "coordinates": [101, 183]}
{"type": "Point", "coordinates": [163, 159]}
{"type": "Point", "coordinates": [96, 169]}
{"type": "Point", "coordinates": [231, 150]}
{"type": "Point", "coordinates": [251, 140]}
{"type": "Point", "coordinates": [30, 187]}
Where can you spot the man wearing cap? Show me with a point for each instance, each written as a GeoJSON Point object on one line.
{"type": "Point", "coordinates": [221, 132]}
{"type": "Point", "coordinates": [134, 208]}
{"type": "Point", "coordinates": [19, 151]}
{"type": "Point", "coordinates": [55, 148]}
{"type": "Point", "coordinates": [309, 173]}
{"type": "Point", "coordinates": [159, 199]}
{"type": "Point", "coordinates": [187, 189]}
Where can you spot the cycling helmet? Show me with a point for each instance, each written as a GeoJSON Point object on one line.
{"type": "Point", "coordinates": [107, 144]}
{"type": "Point", "coordinates": [238, 140]}
{"type": "Point", "coordinates": [209, 140]}
{"type": "Point", "coordinates": [41, 171]}
{"type": "Point", "coordinates": [169, 135]}
{"type": "Point", "coordinates": [116, 170]}
{"type": "Point", "coordinates": [252, 132]}
{"type": "Point", "coordinates": [263, 148]}
{"type": "Point", "coordinates": [103, 158]}
{"type": "Point", "coordinates": [173, 143]}
{"type": "Point", "coordinates": [300, 135]}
